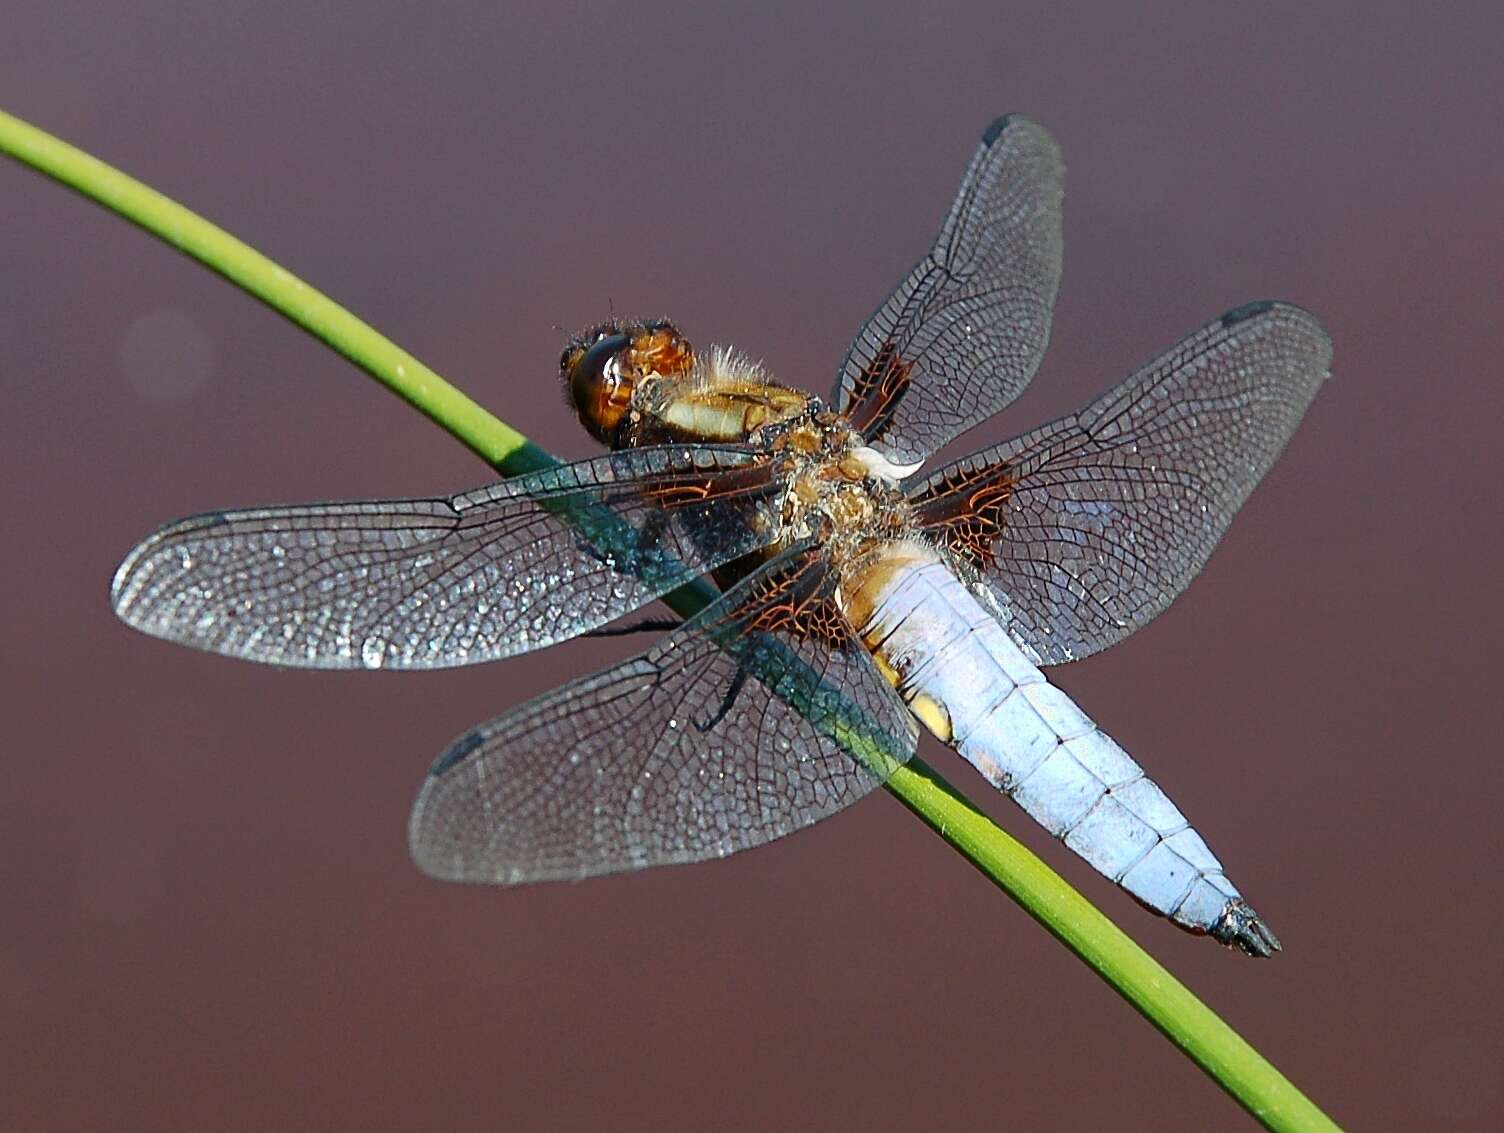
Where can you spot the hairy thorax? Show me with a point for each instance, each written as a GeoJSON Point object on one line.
{"type": "Point", "coordinates": [836, 490]}
{"type": "Point", "coordinates": [637, 384]}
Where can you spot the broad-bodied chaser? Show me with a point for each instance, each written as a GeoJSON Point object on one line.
{"type": "Point", "coordinates": [860, 598]}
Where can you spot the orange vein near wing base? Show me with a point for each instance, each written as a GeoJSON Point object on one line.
{"type": "Point", "coordinates": [877, 391]}
{"type": "Point", "coordinates": [799, 602]}
{"type": "Point", "coordinates": [967, 509]}
{"type": "Point", "coordinates": [752, 479]}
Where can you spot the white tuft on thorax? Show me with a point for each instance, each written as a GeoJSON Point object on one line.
{"type": "Point", "coordinates": [884, 469]}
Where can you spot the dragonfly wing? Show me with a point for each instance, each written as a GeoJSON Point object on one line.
{"type": "Point", "coordinates": [735, 729]}
{"type": "Point", "coordinates": [422, 584]}
{"type": "Point", "coordinates": [962, 335]}
{"type": "Point", "coordinates": [1087, 528]}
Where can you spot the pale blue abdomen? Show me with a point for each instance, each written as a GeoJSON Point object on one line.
{"type": "Point", "coordinates": [972, 685]}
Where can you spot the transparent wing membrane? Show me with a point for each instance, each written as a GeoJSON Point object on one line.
{"type": "Point", "coordinates": [766, 712]}
{"type": "Point", "coordinates": [421, 584]}
{"type": "Point", "coordinates": [735, 729]}
{"type": "Point", "coordinates": [962, 335]}
{"type": "Point", "coordinates": [1087, 528]}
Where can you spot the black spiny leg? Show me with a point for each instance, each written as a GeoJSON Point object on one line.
{"type": "Point", "coordinates": [642, 625]}
{"type": "Point", "coordinates": [732, 690]}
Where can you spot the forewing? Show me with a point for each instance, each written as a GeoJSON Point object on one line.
{"type": "Point", "coordinates": [962, 335]}
{"type": "Point", "coordinates": [422, 584]}
{"type": "Point", "coordinates": [737, 728]}
{"type": "Point", "coordinates": [1087, 528]}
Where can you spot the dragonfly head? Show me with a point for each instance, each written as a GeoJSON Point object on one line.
{"type": "Point", "coordinates": [603, 367]}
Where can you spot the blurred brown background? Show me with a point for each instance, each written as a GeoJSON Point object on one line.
{"type": "Point", "coordinates": [210, 921]}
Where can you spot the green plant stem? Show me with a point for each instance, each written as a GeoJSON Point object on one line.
{"type": "Point", "coordinates": [1214, 1046]}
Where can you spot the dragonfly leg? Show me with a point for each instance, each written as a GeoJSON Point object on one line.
{"type": "Point", "coordinates": [641, 625]}
{"type": "Point", "coordinates": [732, 690]}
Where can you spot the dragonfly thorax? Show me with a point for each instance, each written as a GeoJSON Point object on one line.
{"type": "Point", "coordinates": [641, 383]}
{"type": "Point", "coordinates": [638, 384]}
{"type": "Point", "coordinates": [836, 491]}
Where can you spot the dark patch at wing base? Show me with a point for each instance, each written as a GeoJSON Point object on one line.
{"type": "Point", "coordinates": [614, 771]}
{"type": "Point", "coordinates": [966, 508]}
{"type": "Point", "coordinates": [1105, 516]}
{"type": "Point", "coordinates": [961, 336]}
{"type": "Point", "coordinates": [418, 584]}
{"type": "Point", "coordinates": [877, 392]}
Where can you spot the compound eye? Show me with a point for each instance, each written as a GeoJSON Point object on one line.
{"type": "Point", "coordinates": [599, 384]}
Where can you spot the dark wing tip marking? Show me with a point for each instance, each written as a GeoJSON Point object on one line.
{"type": "Point", "coordinates": [972, 316]}
{"type": "Point", "coordinates": [199, 522]}
{"type": "Point", "coordinates": [995, 128]}
{"type": "Point", "coordinates": [1248, 311]}
{"type": "Point", "coordinates": [1293, 312]}
{"type": "Point", "coordinates": [456, 752]}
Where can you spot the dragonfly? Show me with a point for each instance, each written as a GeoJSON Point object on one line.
{"type": "Point", "coordinates": [858, 599]}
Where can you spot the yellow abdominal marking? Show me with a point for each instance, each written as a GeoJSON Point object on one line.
{"type": "Point", "coordinates": [838, 490]}
{"type": "Point", "coordinates": [890, 674]}
{"type": "Point", "coordinates": [865, 583]}
{"type": "Point", "coordinates": [932, 714]}
{"type": "Point", "coordinates": [926, 709]}
{"type": "Point", "coordinates": [863, 589]}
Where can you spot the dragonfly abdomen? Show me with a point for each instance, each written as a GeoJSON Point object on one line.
{"type": "Point", "coordinates": [970, 683]}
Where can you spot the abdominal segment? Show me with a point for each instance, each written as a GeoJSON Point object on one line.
{"type": "Point", "coordinates": [973, 687]}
